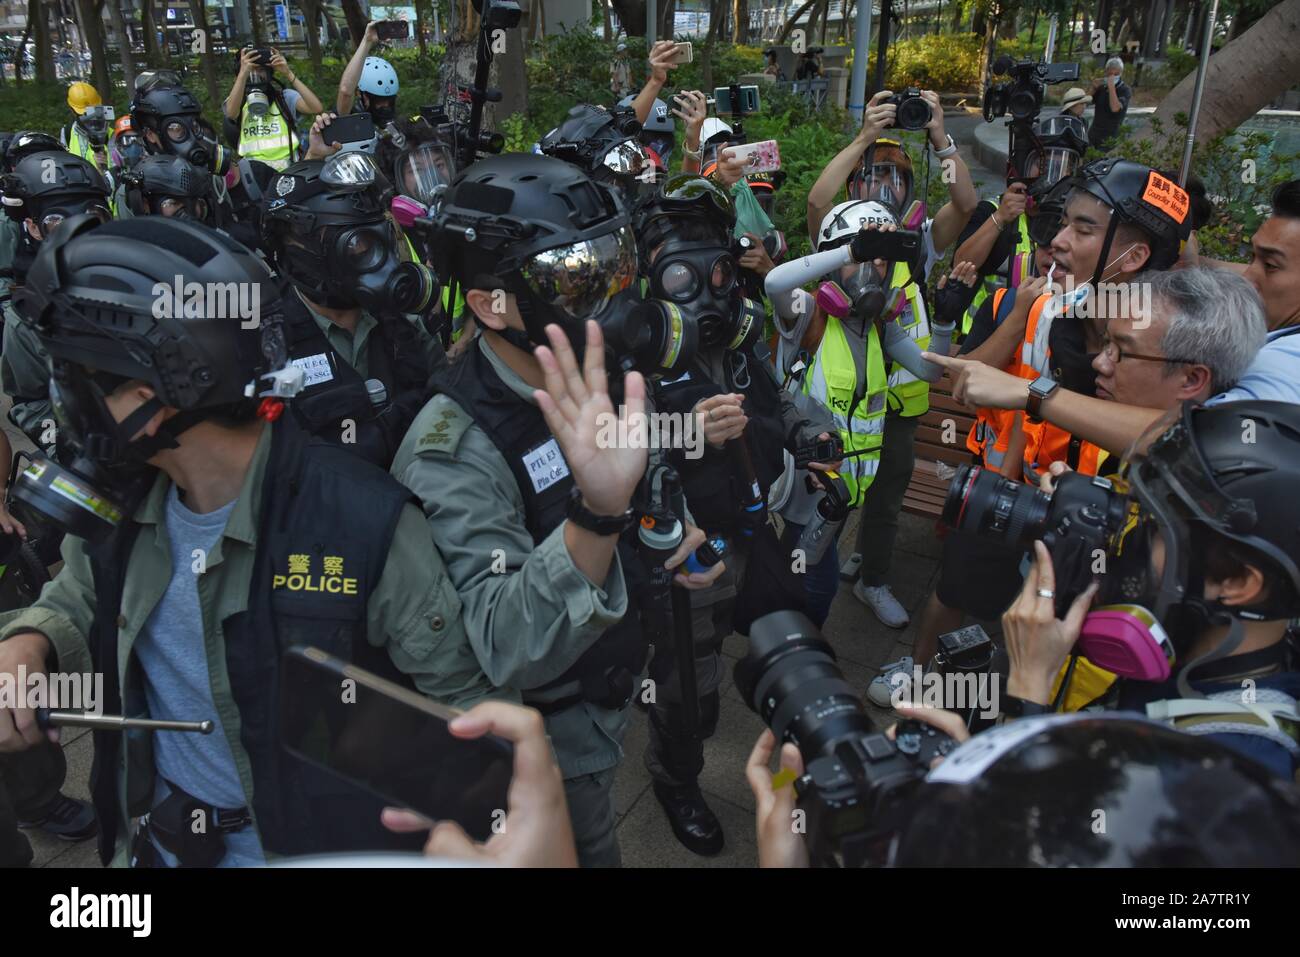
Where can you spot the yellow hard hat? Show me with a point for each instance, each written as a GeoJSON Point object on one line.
{"type": "Point", "coordinates": [82, 96]}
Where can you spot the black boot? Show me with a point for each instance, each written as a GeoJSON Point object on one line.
{"type": "Point", "coordinates": [692, 821]}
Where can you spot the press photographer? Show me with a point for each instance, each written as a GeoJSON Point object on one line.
{"type": "Point", "coordinates": [261, 115]}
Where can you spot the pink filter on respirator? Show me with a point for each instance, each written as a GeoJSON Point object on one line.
{"type": "Point", "coordinates": [406, 211]}
{"type": "Point", "coordinates": [833, 300]}
{"type": "Point", "coordinates": [1128, 641]}
{"type": "Point", "coordinates": [914, 218]}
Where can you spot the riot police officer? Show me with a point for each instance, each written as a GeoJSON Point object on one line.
{"type": "Point", "coordinates": [531, 510]}
{"type": "Point", "coordinates": [357, 324]}
{"type": "Point", "coordinates": [181, 456]}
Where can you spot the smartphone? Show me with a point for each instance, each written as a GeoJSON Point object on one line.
{"type": "Point", "coordinates": [748, 100]}
{"type": "Point", "coordinates": [761, 157]}
{"type": "Point", "coordinates": [683, 53]}
{"type": "Point", "coordinates": [353, 128]}
{"type": "Point", "coordinates": [901, 245]}
{"type": "Point", "coordinates": [393, 29]}
{"type": "Point", "coordinates": [391, 742]}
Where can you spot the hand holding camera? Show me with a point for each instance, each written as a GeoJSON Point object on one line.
{"type": "Point", "coordinates": [879, 115]}
{"type": "Point", "coordinates": [1038, 643]}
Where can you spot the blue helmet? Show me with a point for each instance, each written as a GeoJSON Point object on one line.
{"type": "Point", "coordinates": [378, 78]}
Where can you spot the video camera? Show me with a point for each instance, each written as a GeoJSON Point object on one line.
{"type": "Point", "coordinates": [856, 784]}
{"type": "Point", "coordinates": [1022, 95]}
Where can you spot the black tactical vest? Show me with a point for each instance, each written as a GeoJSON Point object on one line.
{"type": "Point", "coordinates": [607, 671]}
{"type": "Point", "coordinates": [337, 393]}
{"type": "Point", "coordinates": [319, 556]}
{"type": "Point", "coordinates": [713, 489]}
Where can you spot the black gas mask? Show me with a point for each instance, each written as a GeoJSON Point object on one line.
{"type": "Point", "coordinates": [382, 109]}
{"type": "Point", "coordinates": [107, 471]}
{"type": "Point", "coordinates": [700, 279]}
{"type": "Point", "coordinates": [357, 264]}
{"type": "Point", "coordinates": [186, 137]}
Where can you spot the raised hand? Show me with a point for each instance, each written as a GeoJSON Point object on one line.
{"type": "Point", "coordinates": [578, 409]}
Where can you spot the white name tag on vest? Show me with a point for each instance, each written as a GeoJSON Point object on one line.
{"type": "Point", "coordinates": [315, 369]}
{"type": "Point", "coordinates": [545, 465]}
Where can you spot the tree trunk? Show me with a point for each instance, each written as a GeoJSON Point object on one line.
{"type": "Point", "coordinates": [512, 77]}
{"type": "Point", "coordinates": [739, 25]}
{"type": "Point", "coordinates": [149, 35]}
{"type": "Point", "coordinates": [1243, 77]}
{"type": "Point", "coordinates": [92, 36]}
{"type": "Point", "coordinates": [790, 24]}
{"type": "Point", "coordinates": [199, 9]}
{"type": "Point", "coordinates": [123, 42]}
{"type": "Point", "coordinates": [311, 11]}
{"type": "Point", "coordinates": [357, 21]}
{"type": "Point", "coordinates": [715, 16]}
{"type": "Point", "coordinates": [38, 21]}
{"type": "Point", "coordinates": [604, 13]}
{"type": "Point", "coordinates": [991, 24]}
{"type": "Point", "coordinates": [956, 16]}
{"type": "Point", "coordinates": [255, 20]}
{"type": "Point", "coordinates": [632, 15]}
{"type": "Point", "coordinates": [422, 16]}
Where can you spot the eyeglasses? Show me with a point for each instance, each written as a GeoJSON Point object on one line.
{"type": "Point", "coordinates": [1111, 350]}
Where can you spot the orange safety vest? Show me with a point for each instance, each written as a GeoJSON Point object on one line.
{"type": "Point", "coordinates": [991, 433]}
{"type": "Point", "coordinates": [1046, 443]}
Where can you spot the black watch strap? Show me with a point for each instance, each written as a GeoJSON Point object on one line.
{"type": "Point", "coordinates": [584, 517]}
{"type": "Point", "coordinates": [1013, 707]}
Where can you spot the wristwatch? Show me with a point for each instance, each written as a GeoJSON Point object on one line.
{"type": "Point", "coordinates": [584, 517]}
{"type": "Point", "coordinates": [948, 150]}
{"type": "Point", "coordinates": [1039, 390]}
{"type": "Point", "coordinates": [1013, 707]}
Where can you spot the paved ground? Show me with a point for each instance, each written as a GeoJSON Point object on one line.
{"type": "Point", "coordinates": [860, 641]}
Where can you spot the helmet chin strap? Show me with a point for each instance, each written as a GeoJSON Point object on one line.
{"type": "Point", "coordinates": [1213, 613]}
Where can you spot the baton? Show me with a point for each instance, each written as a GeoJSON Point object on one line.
{"type": "Point", "coordinates": [46, 718]}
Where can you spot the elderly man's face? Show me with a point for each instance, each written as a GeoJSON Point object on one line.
{"type": "Point", "coordinates": [1131, 368]}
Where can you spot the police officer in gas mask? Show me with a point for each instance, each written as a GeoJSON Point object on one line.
{"type": "Point", "coordinates": [604, 145]}
{"type": "Point", "coordinates": [169, 186]}
{"type": "Point", "coordinates": [359, 335]}
{"type": "Point", "coordinates": [171, 121]}
{"type": "Point", "coordinates": [528, 503]}
{"type": "Point", "coordinates": [180, 450]}
{"type": "Point", "coordinates": [45, 188]}
{"type": "Point", "coordinates": [684, 235]}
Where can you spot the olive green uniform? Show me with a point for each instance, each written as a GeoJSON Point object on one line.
{"type": "Point", "coordinates": [25, 377]}
{"type": "Point", "coordinates": [413, 612]}
{"type": "Point", "coordinates": [529, 611]}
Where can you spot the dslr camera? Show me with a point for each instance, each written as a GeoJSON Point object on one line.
{"type": "Point", "coordinates": [1084, 515]}
{"type": "Point", "coordinates": [1022, 95]}
{"type": "Point", "coordinates": [913, 111]}
{"type": "Point", "coordinates": [856, 784]}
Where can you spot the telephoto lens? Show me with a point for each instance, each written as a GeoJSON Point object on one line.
{"type": "Point", "coordinates": [856, 782]}
{"type": "Point", "coordinates": [1082, 518]}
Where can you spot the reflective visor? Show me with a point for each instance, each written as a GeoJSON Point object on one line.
{"type": "Point", "coordinates": [582, 277]}
{"type": "Point", "coordinates": [628, 158]}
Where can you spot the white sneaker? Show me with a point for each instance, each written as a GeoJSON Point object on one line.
{"type": "Point", "coordinates": [849, 570]}
{"type": "Point", "coordinates": [882, 601]}
{"type": "Point", "coordinates": [881, 689]}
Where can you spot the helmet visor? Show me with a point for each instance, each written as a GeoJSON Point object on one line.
{"type": "Point", "coordinates": [580, 278]}
{"type": "Point", "coordinates": [628, 158]}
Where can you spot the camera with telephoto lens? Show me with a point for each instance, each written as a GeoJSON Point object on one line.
{"type": "Point", "coordinates": [856, 783]}
{"type": "Point", "coordinates": [1022, 95]}
{"type": "Point", "coordinates": [1079, 522]}
{"type": "Point", "coordinates": [913, 111]}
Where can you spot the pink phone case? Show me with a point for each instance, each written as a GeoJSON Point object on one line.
{"type": "Point", "coordinates": [764, 156]}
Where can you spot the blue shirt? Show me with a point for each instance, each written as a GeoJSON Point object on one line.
{"type": "Point", "coordinates": [1273, 375]}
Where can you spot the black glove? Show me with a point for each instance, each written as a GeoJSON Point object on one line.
{"type": "Point", "coordinates": [952, 300]}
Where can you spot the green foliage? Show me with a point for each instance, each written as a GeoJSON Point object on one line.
{"type": "Point", "coordinates": [948, 61]}
{"type": "Point", "coordinates": [1226, 165]}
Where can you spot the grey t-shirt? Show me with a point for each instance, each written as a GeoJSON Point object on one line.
{"type": "Point", "coordinates": [172, 652]}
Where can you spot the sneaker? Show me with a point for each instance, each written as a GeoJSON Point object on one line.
{"type": "Point", "coordinates": [849, 570]}
{"type": "Point", "coordinates": [881, 690]}
{"type": "Point", "coordinates": [67, 819]}
{"type": "Point", "coordinates": [882, 601]}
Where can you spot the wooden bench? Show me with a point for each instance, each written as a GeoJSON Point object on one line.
{"type": "Point", "coordinates": [928, 489]}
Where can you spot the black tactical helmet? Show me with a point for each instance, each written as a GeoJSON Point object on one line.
{"type": "Point", "coordinates": [185, 309]}
{"type": "Point", "coordinates": [25, 143]}
{"type": "Point", "coordinates": [1233, 469]}
{"type": "Point", "coordinates": [1104, 790]}
{"type": "Point", "coordinates": [156, 178]}
{"type": "Point", "coordinates": [53, 183]}
{"type": "Point", "coordinates": [601, 143]}
{"type": "Point", "coordinates": [684, 198]}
